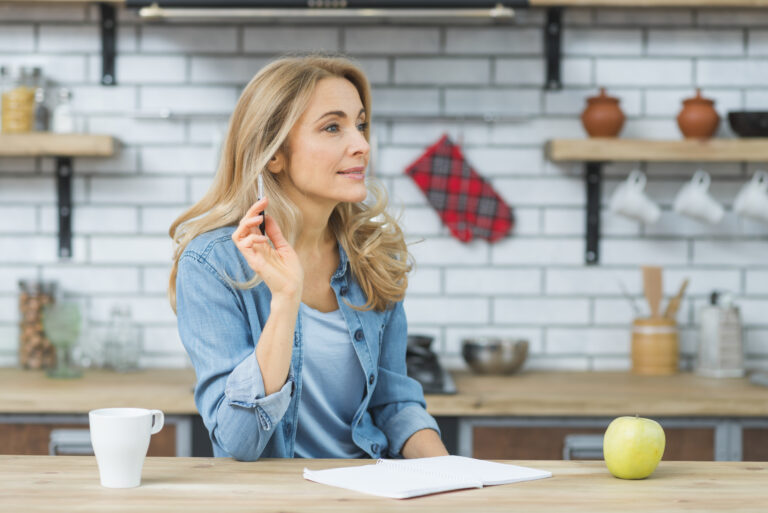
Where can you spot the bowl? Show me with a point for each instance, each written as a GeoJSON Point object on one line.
{"type": "Point", "coordinates": [494, 355]}
{"type": "Point", "coordinates": [749, 123]}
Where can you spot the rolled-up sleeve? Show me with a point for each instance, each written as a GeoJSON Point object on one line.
{"type": "Point", "coordinates": [229, 394]}
{"type": "Point", "coordinates": [397, 403]}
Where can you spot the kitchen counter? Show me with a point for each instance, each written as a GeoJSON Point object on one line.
{"type": "Point", "coordinates": [535, 393]}
{"type": "Point", "coordinates": [540, 393]}
{"type": "Point", "coordinates": [70, 483]}
{"type": "Point", "coordinates": [169, 390]}
{"type": "Point", "coordinates": [732, 412]}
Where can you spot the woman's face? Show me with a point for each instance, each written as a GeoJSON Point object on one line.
{"type": "Point", "coordinates": [328, 150]}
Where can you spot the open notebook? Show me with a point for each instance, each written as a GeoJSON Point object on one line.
{"type": "Point", "coordinates": [401, 479]}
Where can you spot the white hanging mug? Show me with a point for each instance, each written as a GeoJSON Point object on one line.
{"type": "Point", "coordinates": [752, 200]}
{"type": "Point", "coordinates": [120, 439]}
{"type": "Point", "coordinates": [693, 200]}
{"type": "Point", "coordinates": [630, 200]}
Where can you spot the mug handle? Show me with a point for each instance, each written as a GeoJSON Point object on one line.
{"type": "Point", "coordinates": [158, 419]}
{"type": "Point", "coordinates": [761, 179]}
{"type": "Point", "coordinates": [701, 179]}
{"type": "Point", "coordinates": [637, 179]}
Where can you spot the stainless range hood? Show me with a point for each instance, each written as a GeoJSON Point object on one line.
{"type": "Point", "coordinates": [326, 9]}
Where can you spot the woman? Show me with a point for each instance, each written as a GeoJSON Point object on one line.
{"type": "Point", "coordinates": [298, 336]}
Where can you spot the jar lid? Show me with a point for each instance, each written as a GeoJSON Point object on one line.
{"type": "Point", "coordinates": [698, 99]}
{"type": "Point", "coordinates": [602, 98]}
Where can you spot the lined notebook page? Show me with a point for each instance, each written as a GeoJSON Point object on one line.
{"type": "Point", "coordinates": [400, 479]}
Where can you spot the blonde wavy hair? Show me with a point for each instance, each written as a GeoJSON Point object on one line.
{"type": "Point", "coordinates": [268, 108]}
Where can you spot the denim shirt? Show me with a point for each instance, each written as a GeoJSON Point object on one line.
{"type": "Point", "coordinates": [220, 325]}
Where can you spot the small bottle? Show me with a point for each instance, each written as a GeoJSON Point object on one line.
{"type": "Point", "coordinates": [41, 111]}
{"type": "Point", "coordinates": [62, 121]}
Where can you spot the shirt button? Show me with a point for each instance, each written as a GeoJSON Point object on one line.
{"type": "Point", "coordinates": [359, 335]}
{"type": "Point", "coordinates": [371, 379]}
{"type": "Point", "coordinates": [343, 290]}
{"type": "Point", "coordinates": [288, 428]}
{"type": "Point", "coordinates": [375, 448]}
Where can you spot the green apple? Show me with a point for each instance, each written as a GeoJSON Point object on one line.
{"type": "Point", "coordinates": [633, 446]}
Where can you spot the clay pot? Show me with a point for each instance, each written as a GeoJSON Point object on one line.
{"type": "Point", "coordinates": [603, 116]}
{"type": "Point", "coordinates": [698, 119]}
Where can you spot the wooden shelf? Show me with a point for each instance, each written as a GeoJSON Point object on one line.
{"type": "Point", "coordinates": [594, 152]}
{"type": "Point", "coordinates": [62, 147]}
{"type": "Point", "coordinates": [685, 150]}
{"type": "Point", "coordinates": [45, 144]}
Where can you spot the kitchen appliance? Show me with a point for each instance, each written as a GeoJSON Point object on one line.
{"type": "Point", "coordinates": [422, 365]}
{"type": "Point", "coordinates": [749, 123]}
{"type": "Point", "coordinates": [721, 353]}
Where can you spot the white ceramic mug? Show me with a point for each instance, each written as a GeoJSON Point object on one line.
{"type": "Point", "coordinates": [630, 200]}
{"type": "Point", "coordinates": [694, 200]}
{"type": "Point", "coordinates": [752, 200]}
{"type": "Point", "coordinates": [120, 439]}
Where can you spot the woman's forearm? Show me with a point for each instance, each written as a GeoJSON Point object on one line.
{"type": "Point", "coordinates": [275, 346]}
{"type": "Point", "coordinates": [424, 444]}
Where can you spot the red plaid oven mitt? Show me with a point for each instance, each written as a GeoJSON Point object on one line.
{"type": "Point", "coordinates": [466, 203]}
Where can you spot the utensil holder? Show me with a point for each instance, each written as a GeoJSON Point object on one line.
{"type": "Point", "coordinates": [655, 346]}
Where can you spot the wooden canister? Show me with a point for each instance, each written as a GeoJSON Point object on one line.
{"type": "Point", "coordinates": [654, 346]}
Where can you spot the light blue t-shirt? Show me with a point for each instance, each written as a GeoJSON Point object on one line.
{"type": "Point", "coordinates": [332, 390]}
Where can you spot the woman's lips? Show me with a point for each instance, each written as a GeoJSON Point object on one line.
{"type": "Point", "coordinates": [357, 173]}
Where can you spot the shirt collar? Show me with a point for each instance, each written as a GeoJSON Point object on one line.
{"type": "Point", "coordinates": [343, 262]}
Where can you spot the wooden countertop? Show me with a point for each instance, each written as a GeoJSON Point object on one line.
{"type": "Point", "coordinates": [32, 392]}
{"type": "Point", "coordinates": [535, 393]}
{"type": "Point", "coordinates": [556, 393]}
{"type": "Point", "coordinates": [70, 483]}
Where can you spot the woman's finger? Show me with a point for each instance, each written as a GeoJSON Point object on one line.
{"type": "Point", "coordinates": [252, 242]}
{"type": "Point", "coordinates": [275, 234]}
{"type": "Point", "coordinates": [258, 207]}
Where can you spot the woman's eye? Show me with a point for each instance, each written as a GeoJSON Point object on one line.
{"type": "Point", "coordinates": [333, 128]}
{"type": "Point", "coordinates": [362, 126]}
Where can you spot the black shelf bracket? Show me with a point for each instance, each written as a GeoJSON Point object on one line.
{"type": "Point", "coordinates": [553, 29]}
{"type": "Point", "coordinates": [593, 177]}
{"type": "Point", "coordinates": [108, 44]}
{"type": "Point", "coordinates": [64, 196]}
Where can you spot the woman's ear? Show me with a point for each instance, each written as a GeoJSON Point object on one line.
{"type": "Point", "coordinates": [277, 163]}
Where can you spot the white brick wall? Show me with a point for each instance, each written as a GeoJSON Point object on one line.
{"type": "Point", "coordinates": [533, 285]}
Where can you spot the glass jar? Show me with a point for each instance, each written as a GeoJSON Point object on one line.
{"type": "Point", "coordinates": [35, 350]}
{"type": "Point", "coordinates": [4, 84]}
{"type": "Point", "coordinates": [18, 101]}
{"type": "Point", "coordinates": [122, 344]}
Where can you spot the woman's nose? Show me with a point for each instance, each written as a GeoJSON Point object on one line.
{"type": "Point", "coordinates": [359, 144]}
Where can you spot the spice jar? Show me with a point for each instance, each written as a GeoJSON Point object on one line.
{"type": "Point", "coordinates": [18, 101]}
{"type": "Point", "coordinates": [4, 85]}
{"type": "Point", "coordinates": [35, 350]}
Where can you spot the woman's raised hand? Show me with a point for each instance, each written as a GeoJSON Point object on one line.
{"type": "Point", "coordinates": [278, 266]}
